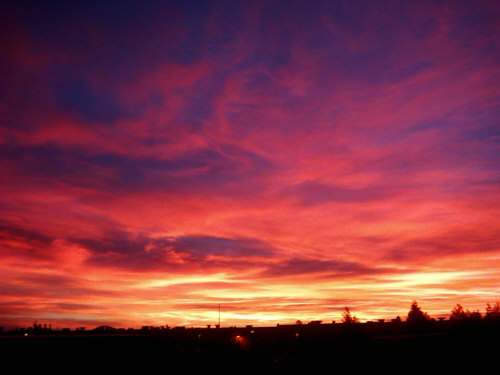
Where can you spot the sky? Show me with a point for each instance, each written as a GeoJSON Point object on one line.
{"type": "Point", "coordinates": [284, 159]}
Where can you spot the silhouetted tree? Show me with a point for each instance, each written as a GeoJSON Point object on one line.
{"type": "Point", "coordinates": [417, 317]}
{"type": "Point", "coordinates": [493, 312]}
{"type": "Point", "coordinates": [458, 313]}
{"type": "Point", "coordinates": [348, 318]}
{"type": "Point", "coordinates": [474, 315]}
{"type": "Point", "coordinates": [298, 322]}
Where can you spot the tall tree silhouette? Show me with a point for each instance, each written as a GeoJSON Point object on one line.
{"type": "Point", "coordinates": [493, 312]}
{"type": "Point", "coordinates": [416, 316]}
{"type": "Point", "coordinates": [348, 318]}
{"type": "Point", "coordinates": [458, 313]}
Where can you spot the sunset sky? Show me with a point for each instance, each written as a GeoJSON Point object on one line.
{"type": "Point", "coordinates": [284, 159]}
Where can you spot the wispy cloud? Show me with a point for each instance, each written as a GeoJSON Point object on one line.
{"type": "Point", "coordinates": [287, 161]}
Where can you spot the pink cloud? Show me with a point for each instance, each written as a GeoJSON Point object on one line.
{"type": "Point", "coordinates": [342, 156]}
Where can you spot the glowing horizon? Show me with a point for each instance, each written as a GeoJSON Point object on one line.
{"type": "Point", "coordinates": [285, 162]}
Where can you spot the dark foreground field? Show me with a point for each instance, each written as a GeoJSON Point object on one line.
{"type": "Point", "coordinates": [255, 352]}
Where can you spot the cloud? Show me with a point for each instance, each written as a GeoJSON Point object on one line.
{"type": "Point", "coordinates": [175, 254]}
{"type": "Point", "coordinates": [452, 243]}
{"type": "Point", "coordinates": [197, 170]}
{"type": "Point", "coordinates": [92, 106]}
{"type": "Point", "coordinates": [234, 248]}
{"type": "Point", "coordinates": [329, 268]}
{"type": "Point", "coordinates": [255, 154]}
{"type": "Point", "coordinates": [315, 193]}
{"type": "Point", "coordinates": [24, 245]}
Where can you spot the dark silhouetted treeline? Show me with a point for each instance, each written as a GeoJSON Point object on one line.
{"type": "Point", "coordinates": [467, 338]}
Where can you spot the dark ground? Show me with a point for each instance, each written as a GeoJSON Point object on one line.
{"type": "Point", "coordinates": [265, 351]}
